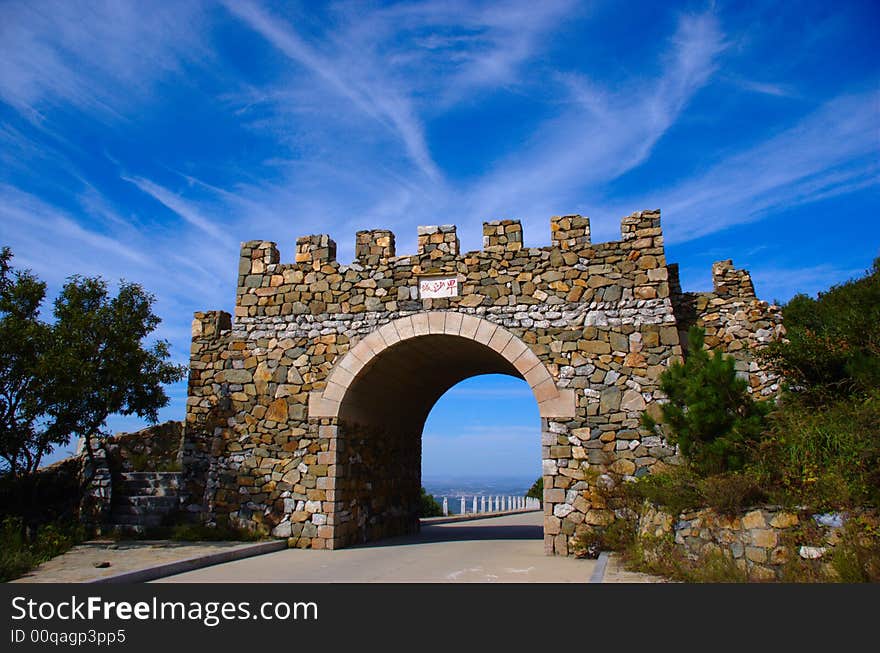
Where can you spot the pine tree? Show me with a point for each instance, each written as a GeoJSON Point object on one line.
{"type": "Point", "coordinates": [710, 414]}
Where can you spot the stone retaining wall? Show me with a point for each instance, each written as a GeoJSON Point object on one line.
{"type": "Point", "coordinates": [761, 541]}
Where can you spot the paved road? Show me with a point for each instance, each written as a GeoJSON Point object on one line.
{"type": "Point", "coordinates": [507, 549]}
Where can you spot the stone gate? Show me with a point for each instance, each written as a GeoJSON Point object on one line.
{"type": "Point", "coordinates": [305, 409]}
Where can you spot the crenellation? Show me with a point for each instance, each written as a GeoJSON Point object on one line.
{"type": "Point", "coordinates": [438, 242]}
{"type": "Point", "coordinates": [256, 256]}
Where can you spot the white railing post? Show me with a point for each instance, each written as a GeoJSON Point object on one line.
{"type": "Point", "coordinates": [483, 504]}
{"type": "Point", "coordinates": [474, 506]}
{"type": "Point", "coordinates": [445, 507]}
{"type": "Point", "coordinates": [463, 508]}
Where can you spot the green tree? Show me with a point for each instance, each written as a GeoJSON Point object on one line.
{"type": "Point", "coordinates": [24, 395]}
{"type": "Point", "coordinates": [537, 489]}
{"type": "Point", "coordinates": [832, 346]}
{"type": "Point", "coordinates": [428, 506]}
{"type": "Point", "coordinates": [63, 380]}
{"type": "Point", "coordinates": [710, 413]}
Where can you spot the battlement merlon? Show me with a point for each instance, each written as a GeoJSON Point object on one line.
{"type": "Point", "coordinates": [730, 282]}
{"type": "Point", "coordinates": [503, 235]}
{"type": "Point", "coordinates": [641, 231]}
{"type": "Point", "coordinates": [438, 241]}
{"type": "Point", "coordinates": [317, 249]}
{"type": "Point", "coordinates": [255, 256]}
{"type": "Point", "coordinates": [570, 232]}
{"type": "Point", "coordinates": [374, 246]}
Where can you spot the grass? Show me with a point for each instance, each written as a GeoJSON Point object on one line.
{"type": "Point", "coordinates": [20, 553]}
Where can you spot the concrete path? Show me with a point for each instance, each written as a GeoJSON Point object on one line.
{"type": "Point", "coordinates": [506, 549]}
{"type": "Point", "coordinates": [78, 564]}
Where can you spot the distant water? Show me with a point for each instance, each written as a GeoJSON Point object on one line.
{"type": "Point", "coordinates": [454, 489]}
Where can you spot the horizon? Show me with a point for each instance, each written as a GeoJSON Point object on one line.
{"type": "Point", "coordinates": [146, 145]}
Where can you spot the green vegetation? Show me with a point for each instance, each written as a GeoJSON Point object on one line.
{"type": "Point", "coordinates": [537, 489]}
{"type": "Point", "coordinates": [428, 506]}
{"type": "Point", "coordinates": [832, 351]}
{"type": "Point", "coordinates": [819, 445]}
{"type": "Point", "coordinates": [20, 553]}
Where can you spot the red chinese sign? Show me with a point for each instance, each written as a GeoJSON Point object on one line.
{"type": "Point", "coordinates": [438, 287]}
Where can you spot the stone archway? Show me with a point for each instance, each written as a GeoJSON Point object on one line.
{"type": "Point", "coordinates": [380, 394]}
{"type": "Point", "coordinates": [304, 405]}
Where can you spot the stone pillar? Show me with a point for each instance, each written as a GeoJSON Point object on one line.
{"type": "Point", "coordinates": [255, 256]}
{"type": "Point", "coordinates": [730, 282]}
{"type": "Point", "coordinates": [445, 507]}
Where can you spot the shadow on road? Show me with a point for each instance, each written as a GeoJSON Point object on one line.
{"type": "Point", "coordinates": [462, 532]}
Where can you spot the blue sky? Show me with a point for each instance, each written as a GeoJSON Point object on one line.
{"type": "Point", "coordinates": [145, 141]}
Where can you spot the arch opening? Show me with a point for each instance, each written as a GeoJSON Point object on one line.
{"type": "Point", "coordinates": [380, 395]}
{"type": "Point", "coordinates": [481, 441]}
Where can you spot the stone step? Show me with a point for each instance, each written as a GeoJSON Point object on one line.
{"type": "Point", "coordinates": [123, 529]}
{"type": "Point", "coordinates": [147, 476]}
{"type": "Point", "coordinates": [145, 521]}
{"type": "Point", "coordinates": [156, 481]}
{"type": "Point", "coordinates": [146, 501]}
{"type": "Point", "coordinates": [149, 491]}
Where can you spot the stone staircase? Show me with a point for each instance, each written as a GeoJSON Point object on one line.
{"type": "Point", "coordinates": [142, 500]}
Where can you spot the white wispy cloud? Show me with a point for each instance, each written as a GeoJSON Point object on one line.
{"type": "Point", "coordinates": [604, 133]}
{"type": "Point", "coordinates": [181, 207]}
{"type": "Point", "coordinates": [832, 151]}
{"type": "Point", "coordinates": [100, 57]}
{"type": "Point", "coordinates": [369, 90]}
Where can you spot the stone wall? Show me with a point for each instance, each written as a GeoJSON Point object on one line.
{"type": "Point", "coordinates": [272, 443]}
{"type": "Point", "coordinates": [156, 448]}
{"type": "Point", "coordinates": [735, 321]}
{"type": "Point", "coordinates": [762, 541]}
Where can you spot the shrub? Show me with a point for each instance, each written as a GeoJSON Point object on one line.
{"type": "Point", "coordinates": [676, 491]}
{"type": "Point", "coordinates": [856, 558]}
{"type": "Point", "coordinates": [537, 489]}
{"type": "Point", "coordinates": [730, 492]}
{"type": "Point", "coordinates": [428, 506]}
{"type": "Point", "coordinates": [828, 457]}
{"type": "Point", "coordinates": [19, 553]}
{"type": "Point", "coordinates": [832, 347]}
